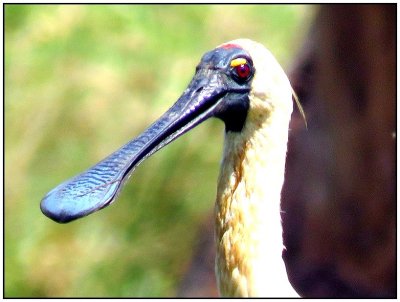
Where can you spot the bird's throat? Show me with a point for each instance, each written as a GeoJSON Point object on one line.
{"type": "Point", "coordinates": [248, 221]}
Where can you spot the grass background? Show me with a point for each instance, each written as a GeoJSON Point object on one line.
{"type": "Point", "coordinates": [82, 80]}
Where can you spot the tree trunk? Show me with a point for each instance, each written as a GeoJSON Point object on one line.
{"type": "Point", "coordinates": [340, 189]}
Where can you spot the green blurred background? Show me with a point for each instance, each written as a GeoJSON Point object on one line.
{"type": "Point", "coordinates": [82, 80]}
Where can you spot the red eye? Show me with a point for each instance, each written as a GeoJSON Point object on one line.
{"type": "Point", "coordinates": [243, 71]}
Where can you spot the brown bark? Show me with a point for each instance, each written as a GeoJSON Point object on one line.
{"type": "Point", "coordinates": [340, 190]}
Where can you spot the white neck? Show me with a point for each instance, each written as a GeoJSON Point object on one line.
{"type": "Point", "coordinates": [248, 222]}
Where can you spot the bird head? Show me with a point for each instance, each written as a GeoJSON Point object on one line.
{"type": "Point", "coordinates": [231, 82]}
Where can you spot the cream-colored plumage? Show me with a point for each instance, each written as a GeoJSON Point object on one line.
{"type": "Point", "coordinates": [248, 222]}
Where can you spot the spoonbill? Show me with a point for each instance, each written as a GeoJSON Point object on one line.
{"type": "Point", "coordinates": [241, 83]}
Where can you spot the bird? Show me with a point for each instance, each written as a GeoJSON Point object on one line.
{"type": "Point", "coordinates": [241, 83]}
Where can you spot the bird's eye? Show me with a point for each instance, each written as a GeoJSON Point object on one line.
{"type": "Point", "coordinates": [243, 71]}
{"type": "Point", "coordinates": [241, 68]}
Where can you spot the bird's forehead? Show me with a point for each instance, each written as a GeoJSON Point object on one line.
{"type": "Point", "coordinates": [222, 56]}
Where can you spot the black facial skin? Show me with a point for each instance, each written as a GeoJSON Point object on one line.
{"type": "Point", "coordinates": [235, 105]}
{"type": "Point", "coordinates": [216, 90]}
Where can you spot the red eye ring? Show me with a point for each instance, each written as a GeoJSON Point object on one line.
{"type": "Point", "coordinates": [243, 71]}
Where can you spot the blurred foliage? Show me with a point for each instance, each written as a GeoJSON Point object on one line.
{"type": "Point", "coordinates": [80, 81]}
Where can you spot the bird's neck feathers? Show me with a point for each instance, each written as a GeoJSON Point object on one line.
{"type": "Point", "coordinates": [248, 222]}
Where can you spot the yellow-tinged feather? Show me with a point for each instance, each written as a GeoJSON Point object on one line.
{"type": "Point", "coordinates": [248, 224]}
